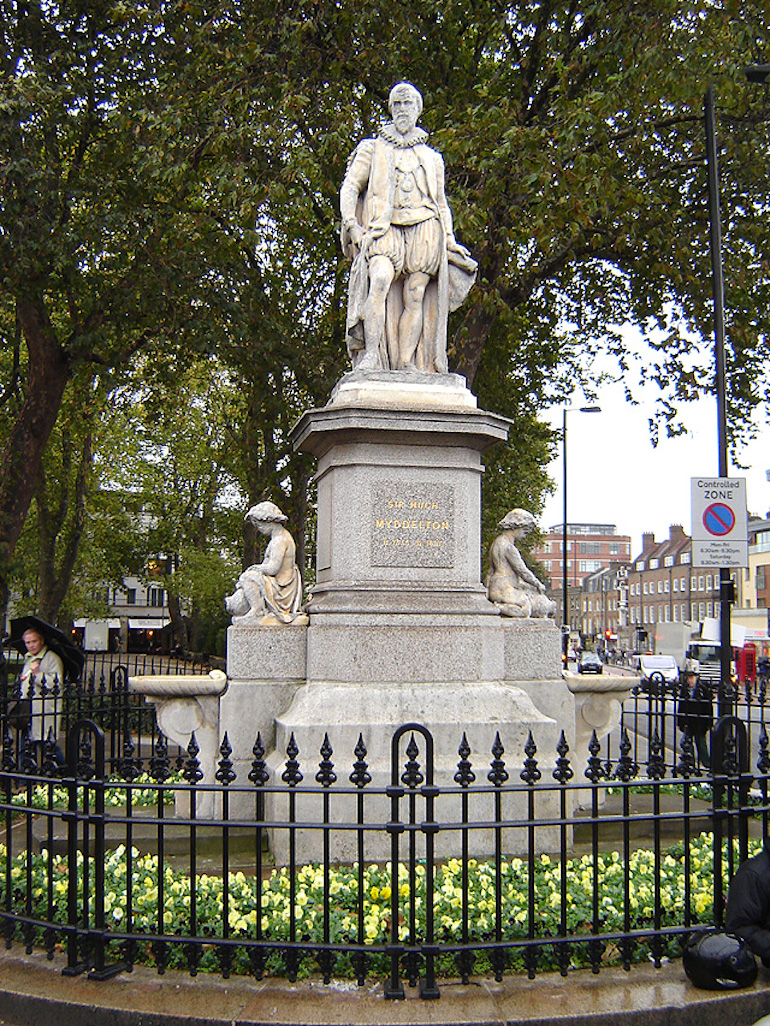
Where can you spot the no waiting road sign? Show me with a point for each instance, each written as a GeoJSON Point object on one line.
{"type": "Point", "coordinates": [719, 519]}
{"type": "Point", "coordinates": [719, 522]}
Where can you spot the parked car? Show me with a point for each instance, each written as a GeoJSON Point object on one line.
{"type": "Point", "coordinates": [665, 665]}
{"type": "Point", "coordinates": [589, 662]}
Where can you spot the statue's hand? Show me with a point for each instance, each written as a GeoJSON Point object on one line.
{"type": "Point", "coordinates": [455, 247]}
{"type": "Point", "coordinates": [356, 233]}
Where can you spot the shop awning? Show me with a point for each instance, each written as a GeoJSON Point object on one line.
{"type": "Point", "coordinates": [148, 624]}
{"type": "Point", "coordinates": [112, 622]}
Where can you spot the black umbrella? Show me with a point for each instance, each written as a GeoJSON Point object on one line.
{"type": "Point", "coordinates": [71, 656]}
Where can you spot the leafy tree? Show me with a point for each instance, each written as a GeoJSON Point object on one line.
{"type": "Point", "coordinates": [188, 507]}
{"type": "Point", "coordinates": [574, 144]}
{"type": "Point", "coordinates": [117, 186]}
{"type": "Point", "coordinates": [169, 184]}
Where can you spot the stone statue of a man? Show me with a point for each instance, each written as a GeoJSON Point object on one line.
{"type": "Point", "coordinates": [408, 269]}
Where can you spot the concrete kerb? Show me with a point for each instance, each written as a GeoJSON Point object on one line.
{"type": "Point", "coordinates": [34, 993]}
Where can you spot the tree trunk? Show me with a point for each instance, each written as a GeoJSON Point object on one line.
{"type": "Point", "coordinates": [60, 541]}
{"type": "Point", "coordinates": [179, 630]}
{"type": "Point", "coordinates": [468, 343]}
{"type": "Point", "coordinates": [49, 373]}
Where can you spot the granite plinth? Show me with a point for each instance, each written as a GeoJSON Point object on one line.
{"type": "Point", "coordinates": [399, 495]}
{"type": "Point", "coordinates": [531, 649]}
{"type": "Point", "coordinates": [405, 650]}
{"type": "Point", "coordinates": [403, 390]}
{"type": "Point", "coordinates": [265, 666]}
{"type": "Point", "coordinates": [345, 713]}
{"type": "Point", "coordinates": [401, 630]}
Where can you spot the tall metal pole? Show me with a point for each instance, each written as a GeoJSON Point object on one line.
{"type": "Point", "coordinates": [565, 580]}
{"type": "Point", "coordinates": [717, 285]}
{"type": "Point", "coordinates": [564, 535]}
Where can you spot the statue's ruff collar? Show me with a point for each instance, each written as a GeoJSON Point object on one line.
{"type": "Point", "coordinates": [390, 133]}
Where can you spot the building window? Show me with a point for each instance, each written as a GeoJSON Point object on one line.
{"type": "Point", "coordinates": [676, 614]}
{"type": "Point", "coordinates": [701, 584]}
{"type": "Point", "coordinates": [760, 585]}
{"type": "Point", "coordinates": [155, 597]}
{"type": "Point", "coordinates": [590, 548]}
{"type": "Point", "coordinates": [685, 557]}
{"type": "Point", "coordinates": [130, 596]}
{"type": "Point", "coordinates": [660, 587]}
{"type": "Point", "coordinates": [708, 582]}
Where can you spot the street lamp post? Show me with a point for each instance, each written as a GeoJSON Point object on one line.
{"type": "Point", "coordinates": [718, 293]}
{"type": "Point", "coordinates": [755, 73]}
{"type": "Point", "coordinates": [564, 542]}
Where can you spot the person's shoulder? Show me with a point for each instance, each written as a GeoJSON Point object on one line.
{"type": "Point", "coordinates": [758, 865]}
{"type": "Point", "coordinates": [52, 661]}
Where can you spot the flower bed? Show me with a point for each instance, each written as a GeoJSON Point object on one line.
{"type": "Point", "coordinates": [144, 793]}
{"type": "Point", "coordinates": [175, 905]}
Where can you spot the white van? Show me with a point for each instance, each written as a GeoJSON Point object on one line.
{"type": "Point", "coordinates": [663, 664]}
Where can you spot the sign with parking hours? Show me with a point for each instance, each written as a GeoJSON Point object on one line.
{"type": "Point", "coordinates": [720, 535]}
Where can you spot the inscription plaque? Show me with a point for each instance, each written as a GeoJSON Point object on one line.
{"type": "Point", "coordinates": [412, 524]}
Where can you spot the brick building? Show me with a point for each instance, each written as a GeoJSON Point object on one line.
{"type": "Point", "coordinates": [604, 605]}
{"type": "Point", "coordinates": [664, 587]}
{"type": "Point", "coordinates": [590, 547]}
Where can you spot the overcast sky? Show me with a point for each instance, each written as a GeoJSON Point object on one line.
{"type": "Point", "coordinates": [615, 475]}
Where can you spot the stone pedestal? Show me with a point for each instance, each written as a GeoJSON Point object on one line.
{"type": "Point", "coordinates": [400, 628]}
{"type": "Point", "coordinates": [265, 667]}
{"type": "Point", "coordinates": [373, 712]}
{"type": "Point", "coordinates": [187, 705]}
{"type": "Point", "coordinates": [399, 496]}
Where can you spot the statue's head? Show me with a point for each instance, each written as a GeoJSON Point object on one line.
{"type": "Point", "coordinates": [265, 513]}
{"type": "Point", "coordinates": [517, 518]}
{"type": "Point", "coordinates": [405, 106]}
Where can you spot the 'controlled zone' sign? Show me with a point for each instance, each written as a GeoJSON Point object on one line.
{"type": "Point", "coordinates": [720, 534]}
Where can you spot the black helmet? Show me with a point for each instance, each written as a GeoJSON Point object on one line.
{"type": "Point", "coordinates": [716, 960]}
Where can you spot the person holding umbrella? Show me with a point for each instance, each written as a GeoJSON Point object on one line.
{"type": "Point", "coordinates": [50, 660]}
{"type": "Point", "coordinates": [42, 669]}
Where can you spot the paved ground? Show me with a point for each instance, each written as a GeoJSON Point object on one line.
{"type": "Point", "coordinates": [34, 993]}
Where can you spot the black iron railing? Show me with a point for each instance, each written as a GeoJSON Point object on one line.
{"type": "Point", "coordinates": [514, 861]}
{"type": "Point", "coordinates": [51, 706]}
